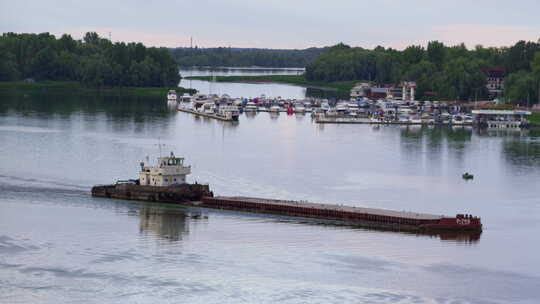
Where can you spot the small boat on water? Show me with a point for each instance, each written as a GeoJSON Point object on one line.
{"type": "Point", "coordinates": [208, 108]}
{"type": "Point", "coordinates": [275, 109]}
{"type": "Point", "coordinates": [229, 112]}
{"type": "Point", "coordinates": [467, 176]}
{"type": "Point", "coordinates": [171, 95]}
{"type": "Point", "coordinates": [250, 107]}
{"type": "Point", "coordinates": [299, 109]}
{"type": "Point", "coordinates": [185, 98]}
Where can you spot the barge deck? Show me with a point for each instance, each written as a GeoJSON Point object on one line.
{"type": "Point", "coordinates": [358, 216]}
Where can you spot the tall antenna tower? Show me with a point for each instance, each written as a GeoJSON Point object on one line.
{"type": "Point", "coordinates": [110, 37]}
{"type": "Point", "coordinates": [191, 41]}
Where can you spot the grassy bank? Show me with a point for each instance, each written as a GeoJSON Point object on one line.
{"type": "Point", "coordinates": [534, 118]}
{"type": "Point", "coordinates": [78, 88]}
{"type": "Point", "coordinates": [342, 86]}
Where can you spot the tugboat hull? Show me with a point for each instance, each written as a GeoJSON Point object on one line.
{"type": "Point", "coordinates": [170, 194]}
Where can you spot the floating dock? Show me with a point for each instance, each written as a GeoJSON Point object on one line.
{"type": "Point", "coordinates": [372, 122]}
{"type": "Point", "coordinates": [214, 116]}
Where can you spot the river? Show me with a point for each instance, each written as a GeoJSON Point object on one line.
{"type": "Point", "coordinates": [60, 245]}
{"type": "Point", "coordinates": [247, 90]}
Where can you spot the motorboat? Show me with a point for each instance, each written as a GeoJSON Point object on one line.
{"type": "Point", "coordinates": [208, 108]}
{"type": "Point", "coordinates": [275, 109]}
{"type": "Point", "coordinates": [171, 95]}
{"type": "Point", "coordinates": [250, 107]}
{"type": "Point", "coordinates": [299, 109]}
{"type": "Point", "coordinates": [185, 98]}
{"type": "Point", "coordinates": [229, 112]}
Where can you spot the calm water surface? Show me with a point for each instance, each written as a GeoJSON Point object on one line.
{"type": "Point", "coordinates": [60, 245]}
{"type": "Point", "coordinates": [247, 90]}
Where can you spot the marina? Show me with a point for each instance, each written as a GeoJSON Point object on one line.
{"type": "Point", "coordinates": [387, 112]}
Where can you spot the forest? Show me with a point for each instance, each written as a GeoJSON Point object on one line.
{"type": "Point", "coordinates": [243, 57]}
{"type": "Point", "coordinates": [446, 72]}
{"type": "Point", "coordinates": [93, 61]}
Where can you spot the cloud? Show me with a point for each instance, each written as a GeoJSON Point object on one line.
{"type": "Point", "coordinates": [485, 34]}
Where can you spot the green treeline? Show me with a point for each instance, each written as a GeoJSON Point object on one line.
{"type": "Point", "coordinates": [235, 57]}
{"type": "Point", "coordinates": [93, 61]}
{"type": "Point", "coordinates": [452, 72]}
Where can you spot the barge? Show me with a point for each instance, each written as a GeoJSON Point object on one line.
{"type": "Point", "coordinates": [166, 183]}
{"type": "Point", "coordinates": [357, 216]}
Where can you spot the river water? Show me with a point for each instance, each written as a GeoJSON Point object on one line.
{"type": "Point", "coordinates": [60, 245]}
{"type": "Point", "coordinates": [247, 90]}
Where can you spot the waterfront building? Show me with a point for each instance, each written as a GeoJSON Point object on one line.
{"type": "Point", "coordinates": [495, 81]}
{"type": "Point", "coordinates": [360, 90]}
{"type": "Point", "coordinates": [501, 119]}
{"type": "Point", "coordinates": [408, 90]}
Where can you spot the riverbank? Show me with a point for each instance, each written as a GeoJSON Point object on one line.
{"type": "Point", "coordinates": [77, 87]}
{"type": "Point", "coordinates": [340, 86]}
{"type": "Point", "coordinates": [534, 118]}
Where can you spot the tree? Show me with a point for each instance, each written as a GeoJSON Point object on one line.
{"type": "Point", "coordinates": [436, 52]}
{"type": "Point", "coordinates": [8, 66]}
{"type": "Point", "coordinates": [521, 88]}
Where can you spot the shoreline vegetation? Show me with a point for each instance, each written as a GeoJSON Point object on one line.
{"type": "Point", "coordinates": [340, 86]}
{"type": "Point", "coordinates": [440, 71]}
{"type": "Point", "coordinates": [242, 57]}
{"type": "Point", "coordinates": [79, 88]}
{"type": "Point", "coordinates": [93, 61]}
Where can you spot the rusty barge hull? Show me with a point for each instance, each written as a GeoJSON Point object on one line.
{"type": "Point", "coordinates": [357, 216]}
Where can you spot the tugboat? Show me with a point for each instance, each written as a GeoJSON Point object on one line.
{"type": "Point", "coordinates": [165, 182]}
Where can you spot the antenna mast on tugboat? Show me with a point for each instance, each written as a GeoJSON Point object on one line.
{"type": "Point", "coordinates": [159, 146]}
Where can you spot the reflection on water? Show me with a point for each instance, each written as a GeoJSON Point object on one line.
{"type": "Point", "coordinates": [248, 90]}
{"type": "Point", "coordinates": [524, 153]}
{"type": "Point", "coordinates": [170, 224]}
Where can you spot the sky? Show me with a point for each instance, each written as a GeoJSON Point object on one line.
{"type": "Point", "coordinates": [290, 24]}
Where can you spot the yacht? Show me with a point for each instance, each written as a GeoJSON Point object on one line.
{"type": "Point", "coordinates": [299, 109]}
{"type": "Point", "coordinates": [208, 108]}
{"type": "Point", "coordinates": [325, 106]}
{"type": "Point", "coordinates": [185, 98]}
{"type": "Point", "coordinates": [341, 109]}
{"type": "Point", "coordinates": [331, 112]}
{"type": "Point", "coordinates": [404, 118]}
{"type": "Point", "coordinates": [171, 95]}
{"type": "Point", "coordinates": [275, 109]}
{"type": "Point", "coordinates": [198, 100]}
{"type": "Point", "coordinates": [229, 112]}
{"type": "Point", "coordinates": [250, 107]}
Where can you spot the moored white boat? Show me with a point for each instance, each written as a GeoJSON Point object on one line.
{"type": "Point", "coordinates": [171, 95]}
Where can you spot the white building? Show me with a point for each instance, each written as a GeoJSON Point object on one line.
{"type": "Point", "coordinates": [408, 88]}
{"type": "Point", "coordinates": [169, 171]}
{"type": "Point", "coordinates": [501, 119]}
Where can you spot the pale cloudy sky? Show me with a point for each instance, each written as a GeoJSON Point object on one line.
{"type": "Point", "coordinates": [281, 23]}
